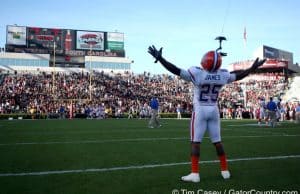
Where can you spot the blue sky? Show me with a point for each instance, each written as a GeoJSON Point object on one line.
{"type": "Point", "coordinates": [186, 29]}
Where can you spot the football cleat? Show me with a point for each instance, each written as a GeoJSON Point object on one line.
{"type": "Point", "coordinates": [225, 174]}
{"type": "Point", "coordinates": [211, 61]}
{"type": "Point", "coordinates": [193, 177]}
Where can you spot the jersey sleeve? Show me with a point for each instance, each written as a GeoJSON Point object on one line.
{"type": "Point", "coordinates": [229, 77]}
{"type": "Point", "coordinates": [185, 74]}
{"type": "Point", "coordinates": [232, 77]}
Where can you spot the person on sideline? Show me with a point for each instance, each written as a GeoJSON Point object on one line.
{"type": "Point", "coordinates": [178, 110]}
{"type": "Point", "coordinates": [272, 109]}
{"type": "Point", "coordinates": [154, 122]}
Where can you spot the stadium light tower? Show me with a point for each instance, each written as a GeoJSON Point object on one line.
{"type": "Point", "coordinates": [91, 49]}
{"type": "Point", "coordinates": [53, 75]}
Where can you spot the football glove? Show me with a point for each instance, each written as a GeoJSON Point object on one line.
{"type": "Point", "coordinates": [155, 53]}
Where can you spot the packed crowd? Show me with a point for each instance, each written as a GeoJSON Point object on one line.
{"type": "Point", "coordinates": [246, 92]}
{"type": "Point", "coordinates": [37, 93]}
{"type": "Point", "coordinates": [115, 93]}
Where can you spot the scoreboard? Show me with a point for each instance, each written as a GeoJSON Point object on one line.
{"type": "Point", "coordinates": [69, 46]}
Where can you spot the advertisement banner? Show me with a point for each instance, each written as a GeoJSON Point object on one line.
{"type": "Point", "coordinates": [115, 41]}
{"type": "Point", "coordinates": [115, 46]}
{"type": "Point", "coordinates": [69, 40]}
{"type": "Point", "coordinates": [115, 36]}
{"type": "Point", "coordinates": [16, 35]}
{"type": "Point", "coordinates": [88, 40]}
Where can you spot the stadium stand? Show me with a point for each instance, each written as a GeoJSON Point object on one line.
{"type": "Point", "coordinates": [35, 93]}
{"type": "Point", "coordinates": [2, 77]}
{"type": "Point", "coordinates": [47, 73]}
{"type": "Point", "coordinates": [22, 92]}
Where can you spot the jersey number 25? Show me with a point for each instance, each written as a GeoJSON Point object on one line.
{"type": "Point", "coordinates": [209, 92]}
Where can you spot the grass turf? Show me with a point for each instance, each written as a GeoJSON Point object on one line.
{"type": "Point", "coordinates": [56, 145]}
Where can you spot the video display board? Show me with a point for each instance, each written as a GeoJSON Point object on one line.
{"type": "Point", "coordinates": [70, 46]}
{"type": "Point", "coordinates": [278, 54]}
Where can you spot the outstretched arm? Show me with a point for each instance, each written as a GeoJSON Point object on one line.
{"type": "Point", "coordinates": [158, 56]}
{"type": "Point", "coordinates": [257, 63]}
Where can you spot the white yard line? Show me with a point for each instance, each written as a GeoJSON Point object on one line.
{"type": "Point", "coordinates": [139, 167]}
{"type": "Point", "coordinates": [95, 141]}
{"type": "Point", "coordinates": [136, 140]}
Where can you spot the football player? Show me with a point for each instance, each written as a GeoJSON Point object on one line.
{"type": "Point", "coordinates": [207, 80]}
{"type": "Point", "coordinates": [262, 111]}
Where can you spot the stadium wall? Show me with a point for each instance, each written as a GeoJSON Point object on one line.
{"type": "Point", "coordinates": [42, 62]}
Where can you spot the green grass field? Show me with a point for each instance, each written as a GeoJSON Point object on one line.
{"type": "Point", "coordinates": [124, 156]}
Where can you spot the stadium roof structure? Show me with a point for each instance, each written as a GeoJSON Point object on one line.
{"type": "Point", "coordinates": [277, 61]}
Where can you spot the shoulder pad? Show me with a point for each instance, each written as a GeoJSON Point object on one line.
{"type": "Point", "coordinates": [223, 70]}
{"type": "Point", "coordinates": [195, 68]}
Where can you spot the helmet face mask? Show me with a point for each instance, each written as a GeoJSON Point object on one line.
{"type": "Point", "coordinates": [211, 61]}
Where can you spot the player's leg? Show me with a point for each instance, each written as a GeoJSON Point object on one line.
{"type": "Point", "coordinates": [273, 118]}
{"type": "Point", "coordinates": [223, 160]}
{"type": "Point", "coordinates": [267, 117]}
{"type": "Point", "coordinates": [195, 155]}
{"type": "Point", "coordinates": [197, 130]}
{"type": "Point", "coordinates": [157, 124]}
{"type": "Point", "coordinates": [213, 127]}
{"type": "Point", "coordinates": [298, 117]}
{"type": "Point", "coordinates": [260, 117]}
{"type": "Point", "coordinates": [151, 121]}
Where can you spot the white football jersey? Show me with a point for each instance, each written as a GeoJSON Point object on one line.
{"type": "Point", "coordinates": [206, 84]}
{"type": "Point", "coordinates": [262, 104]}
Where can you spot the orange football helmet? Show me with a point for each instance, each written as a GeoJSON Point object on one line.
{"type": "Point", "coordinates": [211, 61]}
